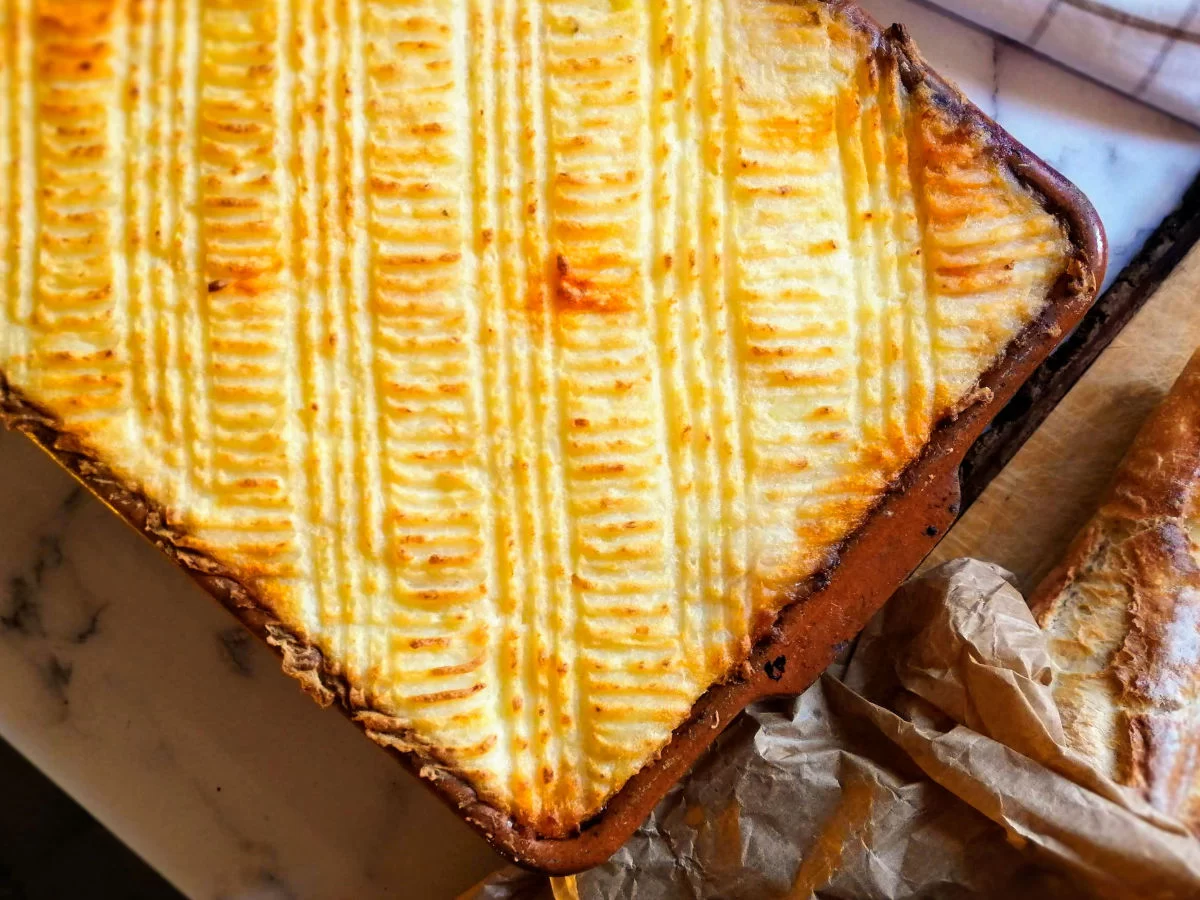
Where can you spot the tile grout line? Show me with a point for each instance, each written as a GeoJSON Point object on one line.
{"type": "Point", "coordinates": [1170, 44]}
{"type": "Point", "coordinates": [1042, 24]}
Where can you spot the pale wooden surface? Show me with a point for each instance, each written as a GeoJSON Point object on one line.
{"type": "Point", "coordinates": [1029, 513]}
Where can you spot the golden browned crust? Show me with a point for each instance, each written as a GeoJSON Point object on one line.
{"type": "Point", "coordinates": [946, 117]}
{"type": "Point", "coordinates": [1123, 612]}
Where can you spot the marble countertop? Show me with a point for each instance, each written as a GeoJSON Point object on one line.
{"type": "Point", "coordinates": [150, 705]}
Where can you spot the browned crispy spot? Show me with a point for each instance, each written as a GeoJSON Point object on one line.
{"type": "Point", "coordinates": [435, 642]}
{"type": "Point", "coordinates": [574, 293]}
{"type": "Point", "coordinates": [459, 669]}
{"type": "Point", "coordinates": [76, 18]}
{"type": "Point", "coordinates": [443, 696]}
{"type": "Point", "coordinates": [476, 750]}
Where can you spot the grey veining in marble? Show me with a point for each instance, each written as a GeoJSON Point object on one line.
{"type": "Point", "coordinates": [147, 702]}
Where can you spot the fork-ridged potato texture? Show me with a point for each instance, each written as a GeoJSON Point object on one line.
{"type": "Point", "coordinates": [519, 355]}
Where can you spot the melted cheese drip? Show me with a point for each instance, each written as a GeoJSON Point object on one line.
{"type": "Point", "coordinates": [519, 354]}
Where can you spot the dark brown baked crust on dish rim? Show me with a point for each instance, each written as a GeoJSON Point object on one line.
{"type": "Point", "coordinates": [825, 611]}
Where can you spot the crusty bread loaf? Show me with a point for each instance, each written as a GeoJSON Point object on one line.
{"type": "Point", "coordinates": [1123, 612]}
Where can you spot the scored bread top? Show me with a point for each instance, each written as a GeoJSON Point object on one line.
{"type": "Point", "coordinates": [520, 357]}
{"type": "Point", "coordinates": [1123, 614]}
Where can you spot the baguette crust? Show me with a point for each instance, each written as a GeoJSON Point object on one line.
{"type": "Point", "coordinates": [1123, 612]}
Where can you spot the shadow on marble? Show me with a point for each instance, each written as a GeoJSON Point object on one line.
{"type": "Point", "coordinates": [51, 848]}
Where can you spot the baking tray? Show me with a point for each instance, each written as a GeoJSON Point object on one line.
{"type": "Point", "coordinates": [825, 610]}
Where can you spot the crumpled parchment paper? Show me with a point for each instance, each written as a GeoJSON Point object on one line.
{"type": "Point", "coordinates": [932, 764]}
